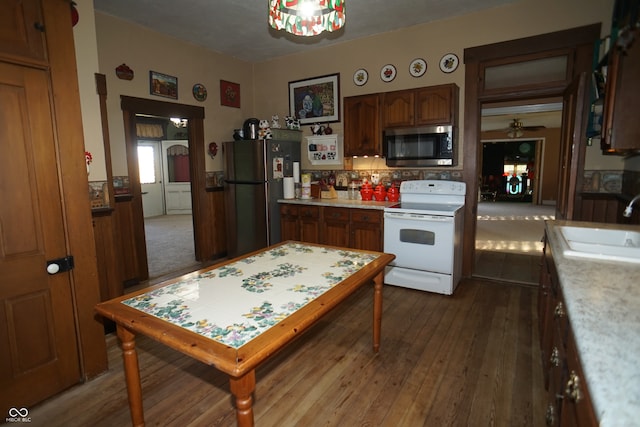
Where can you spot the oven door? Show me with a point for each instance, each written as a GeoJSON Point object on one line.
{"type": "Point", "coordinates": [420, 241]}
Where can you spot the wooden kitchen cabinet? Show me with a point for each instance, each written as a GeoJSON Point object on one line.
{"type": "Point", "coordinates": [620, 127]}
{"type": "Point", "coordinates": [362, 131]}
{"type": "Point", "coordinates": [335, 229]}
{"type": "Point", "coordinates": [22, 32]}
{"type": "Point", "coordinates": [568, 402]}
{"type": "Point", "coordinates": [398, 108]}
{"type": "Point", "coordinates": [437, 105]}
{"type": "Point", "coordinates": [433, 105]}
{"type": "Point", "coordinates": [366, 229]}
{"type": "Point", "coordinates": [310, 224]}
{"type": "Point", "coordinates": [337, 226]}
{"type": "Point", "coordinates": [289, 222]}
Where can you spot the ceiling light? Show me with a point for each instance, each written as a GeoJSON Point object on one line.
{"type": "Point", "coordinates": [179, 123]}
{"type": "Point", "coordinates": [306, 17]}
{"type": "Point", "coordinates": [515, 129]}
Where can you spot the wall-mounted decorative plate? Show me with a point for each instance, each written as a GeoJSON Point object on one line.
{"type": "Point", "coordinates": [449, 63]}
{"type": "Point", "coordinates": [199, 92]}
{"type": "Point", "coordinates": [388, 73]}
{"type": "Point", "coordinates": [360, 77]}
{"type": "Point", "coordinates": [417, 67]}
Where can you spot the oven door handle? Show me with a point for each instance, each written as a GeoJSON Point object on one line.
{"type": "Point", "coordinates": [418, 217]}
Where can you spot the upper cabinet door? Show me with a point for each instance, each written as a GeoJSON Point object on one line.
{"type": "Point", "coordinates": [621, 128]}
{"type": "Point", "coordinates": [362, 133]}
{"type": "Point", "coordinates": [22, 37]}
{"type": "Point", "coordinates": [398, 109]}
{"type": "Point", "coordinates": [437, 105]}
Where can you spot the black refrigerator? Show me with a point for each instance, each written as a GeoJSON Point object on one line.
{"type": "Point", "coordinates": [254, 171]}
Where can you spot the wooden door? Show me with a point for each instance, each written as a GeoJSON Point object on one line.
{"type": "Point", "coordinates": [176, 177]}
{"type": "Point", "coordinates": [39, 355]}
{"type": "Point", "coordinates": [570, 155]}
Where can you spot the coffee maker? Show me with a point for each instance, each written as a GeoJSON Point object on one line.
{"type": "Point", "coordinates": [251, 128]}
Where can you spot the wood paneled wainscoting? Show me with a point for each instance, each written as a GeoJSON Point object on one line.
{"type": "Point", "coordinates": [607, 208]}
{"type": "Point", "coordinates": [471, 359]}
{"type": "Point", "coordinates": [122, 261]}
{"type": "Point", "coordinates": [217, 223]}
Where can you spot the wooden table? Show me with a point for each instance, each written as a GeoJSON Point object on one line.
{"type": "Point", "coordinates": [236, 314]}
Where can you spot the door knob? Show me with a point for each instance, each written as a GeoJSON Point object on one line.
{"type": "Point", "coordinates": [60, 265]}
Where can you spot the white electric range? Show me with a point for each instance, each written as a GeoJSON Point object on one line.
{"type": "Point", "coordinates": [424, 232]}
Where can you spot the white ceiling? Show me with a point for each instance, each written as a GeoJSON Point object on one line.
{"type": "Point", "coordinates": [239, 28]}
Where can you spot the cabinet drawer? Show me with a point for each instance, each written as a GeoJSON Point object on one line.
{"type": "Point", "coordinates": [309, 212]}
{"type": "Point", "coordinates": [368, 216]}
{"type": "Point", "coordinates": [289, 210]}
{"type": "Point", "coordinates": [336, 214]}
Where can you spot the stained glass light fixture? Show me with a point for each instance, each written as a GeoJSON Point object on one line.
{"type": "Point", "coordinates": [306, 17]}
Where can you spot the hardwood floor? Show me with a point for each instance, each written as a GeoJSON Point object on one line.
{"type": "Point", "coordinates": [508, 267]}
{"type": "Point", "coordinates": [471, 359]}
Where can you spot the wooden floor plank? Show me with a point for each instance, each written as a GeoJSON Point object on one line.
{"type": "Point", "coordinates": [467, 359]}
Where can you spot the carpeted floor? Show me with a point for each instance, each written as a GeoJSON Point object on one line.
{"type": "Point", "coordinates": [509, 240]}
{"type": "Point", "coordinates": [170, 244]}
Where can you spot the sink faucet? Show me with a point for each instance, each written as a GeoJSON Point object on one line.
{"type": "Point", "coordinates": [629, 208]}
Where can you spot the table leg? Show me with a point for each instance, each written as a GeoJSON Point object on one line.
{"type": "Point", "coordinates": [377, 310]}
{"type": "Point", "coordinates": [243, 388]}
{"type": "Point", "coordinates": [132, 374]}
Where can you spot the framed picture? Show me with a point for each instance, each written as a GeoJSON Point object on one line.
{"type": "Point", "coordinates": [315, 100]}
{"type": "Point", "coordinates": [163, 85]}
{"type": "Point", "coordinates": [229, 94]}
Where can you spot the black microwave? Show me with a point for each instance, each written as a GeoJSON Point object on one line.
{"type": "Point", "coordinates": [419, 147]}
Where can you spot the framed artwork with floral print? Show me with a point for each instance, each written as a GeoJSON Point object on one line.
{"type": "Point", "coordinates": [229, 94]}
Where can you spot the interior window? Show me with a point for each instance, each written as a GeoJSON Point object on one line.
{"type": "Point", "coordinates": [146, 164]}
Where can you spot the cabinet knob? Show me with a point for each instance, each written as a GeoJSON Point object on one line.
{"type": "Point", "coordinates": [559, 311]}
{"type": "Point", "coordinates": [554, 360]}
{"type": "Point", "coordinates": [550, 416]}
{"type": "Point", "coordinates": [572, 390]}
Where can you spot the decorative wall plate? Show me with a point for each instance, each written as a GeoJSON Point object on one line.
{"type": "Point", "coordinates": [360, 77]}
{"type": "Point", "coordinates": [417, 67]}
{"type": "Point", "coordinates": [388, 73]}
{"type": "Point", "coordinates": [449, 63]}
{"type": "Point", "coordinates": [199, 92]}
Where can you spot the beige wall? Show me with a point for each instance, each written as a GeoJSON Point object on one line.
{"type": "Point", "coordinates": [430, 42]}
{"type": "Point", "coordinates": [87, 64]}
{"type": "Point", "coordinates": [143, 50]}
{"type": "Point", "coordinates": [264, 87]}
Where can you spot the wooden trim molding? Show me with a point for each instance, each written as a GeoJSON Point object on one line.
{"type": "Point", "coordinates": [579, 42]}
{"type": "Point", "coordinates": [66, 103]}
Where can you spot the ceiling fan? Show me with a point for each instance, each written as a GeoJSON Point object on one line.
{"type": "Point", "coordinates": [516, 128]}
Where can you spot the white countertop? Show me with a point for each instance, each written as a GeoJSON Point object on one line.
{"type": "Point", "coordinates": [603, 306]}
{"type": "Point", "coordinates": [342, 203]}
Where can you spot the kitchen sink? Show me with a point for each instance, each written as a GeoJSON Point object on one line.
{"type": "Point", "coordinates": [601, 243]}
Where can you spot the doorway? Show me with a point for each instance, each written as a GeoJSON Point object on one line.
{"type": "Point", "coordinates": [137, 110]}
{"type": "Point", "coordinates": [165, 182]}
{"type": "Point", "coordinates": [564, 55]}
{"type": "Point", "coordinates": [511, 215]}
